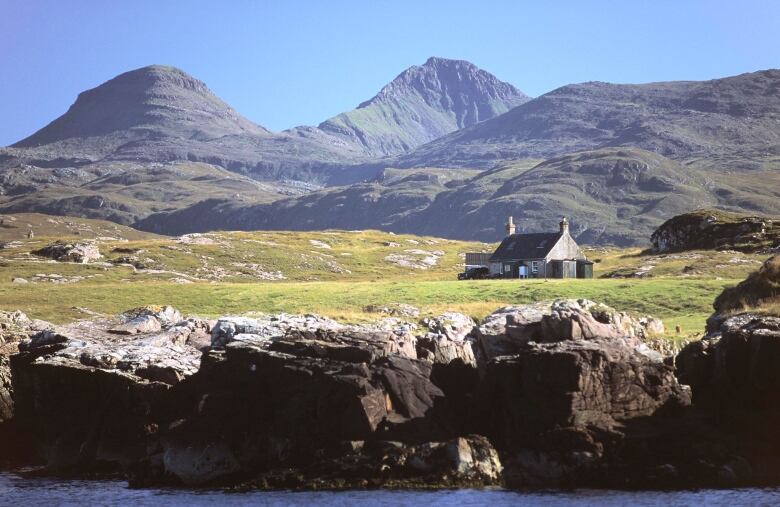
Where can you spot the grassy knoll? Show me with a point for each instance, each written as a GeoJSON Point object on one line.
{"type": "Point", "coordinates": [682, 302]}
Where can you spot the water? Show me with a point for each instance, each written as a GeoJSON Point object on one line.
{"type": "Point", "coordinates": [19, 491]}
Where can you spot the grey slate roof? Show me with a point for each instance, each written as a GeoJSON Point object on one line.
{"type": "Point", "coordinates": [525, 246]}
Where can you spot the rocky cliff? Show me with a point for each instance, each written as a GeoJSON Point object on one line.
{"type": "Point", "coordinates": [570, 393]}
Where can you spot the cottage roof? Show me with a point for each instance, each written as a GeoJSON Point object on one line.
{"type": "Point", "coordinates": [526, 246]}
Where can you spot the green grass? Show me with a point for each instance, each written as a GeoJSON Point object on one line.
{"type": "Point", "coordinates": [338, 281]}
{"type": "Point", "coordinates": [678, 301]}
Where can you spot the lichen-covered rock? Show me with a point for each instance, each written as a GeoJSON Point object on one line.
{"type": "Point", "coordinates": [150, 319]}
{"type": "Point", "coordinates": [507, 330]}
{"type": "Point", "coordinates": [81, 253]}
{"type": "Point", "coordinates": [312, 331]}
{"type": "Point", "coordinates": [448, 339]}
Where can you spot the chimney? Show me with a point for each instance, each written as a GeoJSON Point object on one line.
{"type": "Point", "coordinates": [510, 227]}
{"type": "Point", "coordinates": [564, 225]}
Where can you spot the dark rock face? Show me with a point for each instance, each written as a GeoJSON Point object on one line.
{"type": "Point", "coordinates": [282, 393]}
{"type": "Point", "coordinates": [14, 327]}
{"type": "Point", "coordinates": [735, 368]}
{"type": "Point", "coordinates": [558, 394]}
{"type": "Point", "coordinates": [576, 383]}
{"type": "Point", "coordinates": [91, 399]}
{"type": "Point", "coordinates": [578, 379]}
{"type": "Point", "coordinates": [735, 381]}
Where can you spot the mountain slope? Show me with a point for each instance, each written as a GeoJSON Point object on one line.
{"type": "Point", "coordinates": [612, 196]}
{"type": "Point", "coordinates": [736, 117]}
{"type": "Point", "coordinates": [421, 104]}
{"type": "Point", "coordinates": [376, 204]}
{"type": "Point", "coordinates": [124, 192]}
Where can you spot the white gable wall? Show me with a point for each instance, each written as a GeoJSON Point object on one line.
{"type": "Point", "coordinates": [565, 248]}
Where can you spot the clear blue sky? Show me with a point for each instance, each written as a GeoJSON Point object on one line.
{"type": "Point", "coordinates": [285, 63]}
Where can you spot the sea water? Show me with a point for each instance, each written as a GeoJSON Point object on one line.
{"type": "Point", "coordinates": [16, 490]}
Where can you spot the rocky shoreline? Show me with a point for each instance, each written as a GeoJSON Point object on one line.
{"type": "Point", "coordinates": [562, 394]}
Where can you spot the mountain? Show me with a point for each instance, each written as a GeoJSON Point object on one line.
{"type": "Point", "coordinates": [146, 103]}
{"type": "Point", "coordinates": [735, 117]}
{"type": "Point", "coordinates": [156, 148]}
{"type": "Point", "coordinates": [612, 196]}
{"type": "Point", "coordinates": [422, 104]}
{"type": "Point", "coordinates": [160, 114]}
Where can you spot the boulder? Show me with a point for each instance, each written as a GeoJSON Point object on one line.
{"type": "Point", "coordinates": [394, 310]}
{"type": "Point", "coordinates": [304, 331]}
{"type": "Point", "coordinates": [62, 251]}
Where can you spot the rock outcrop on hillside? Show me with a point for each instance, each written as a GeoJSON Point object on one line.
{"type": "Point", "coordinates": [62, 251]}
{"type": "Point", "coordinates": [557, 394]}
{"type": "Point", "coordinates": [714, 229]}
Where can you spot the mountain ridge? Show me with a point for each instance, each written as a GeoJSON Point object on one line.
{"type": "Point", "coordinates": [618, 158]}
{"type": "Point", "coordinates": [677, 119]}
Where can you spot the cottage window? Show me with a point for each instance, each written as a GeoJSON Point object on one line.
{"type": "Point", "coordinates": [534, 266]}
{"type": "Point", "coordinates": [507, 268]}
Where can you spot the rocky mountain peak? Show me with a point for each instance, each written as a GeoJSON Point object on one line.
{"type": "Point", "coordinates": [444, 83]}
{"type": "Point", "coordinates": [423, 103]}
{"type": "Point", "coordinates": [161, 99]}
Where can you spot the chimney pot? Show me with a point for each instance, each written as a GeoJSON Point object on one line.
{"type": "Point", "coordinates": [564, 225]}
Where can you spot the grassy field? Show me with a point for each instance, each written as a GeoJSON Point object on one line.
{"type": "Point", "coordinates": [679, 302]}
{"type": "Point", "coordinates": [335, 273]}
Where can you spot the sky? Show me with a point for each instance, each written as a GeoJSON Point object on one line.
{"type": "Point", "coordinates": [298, 62]}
